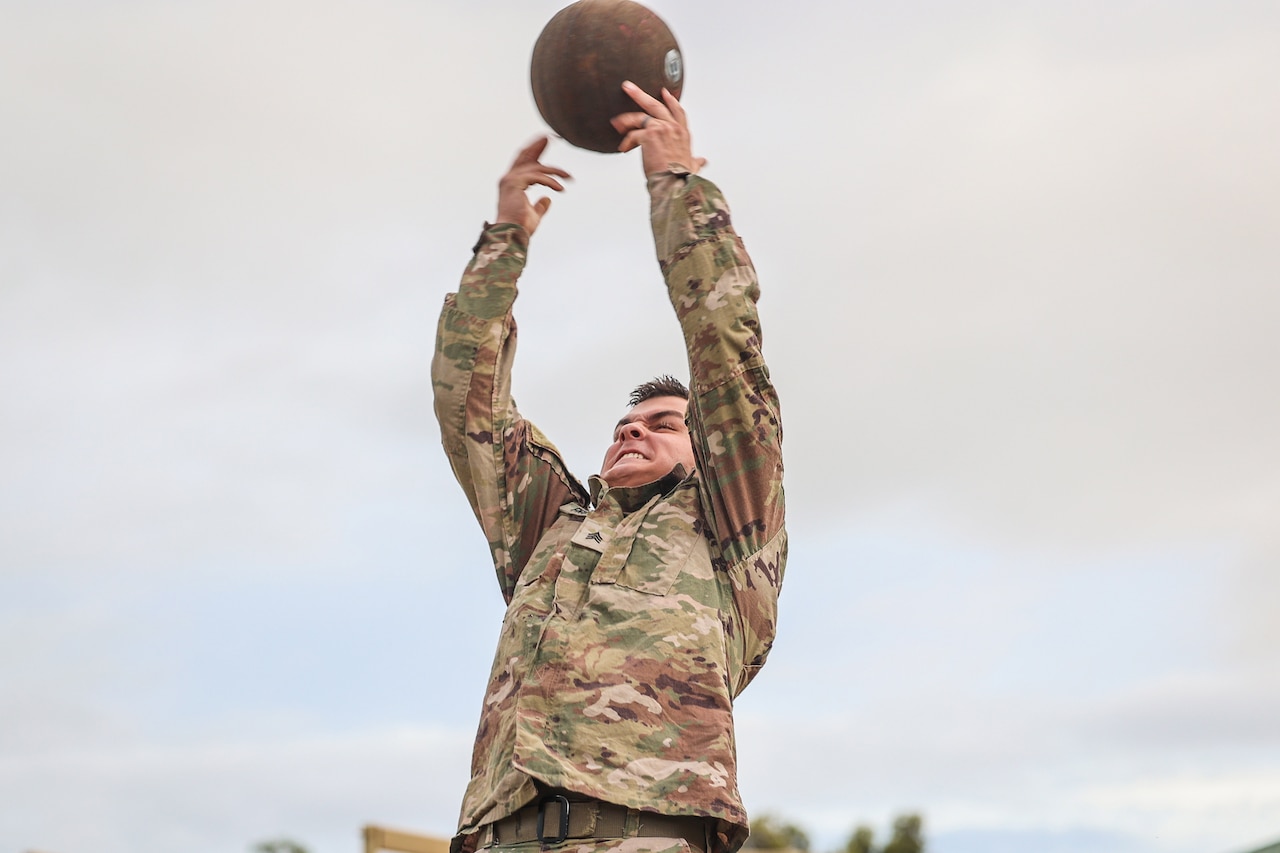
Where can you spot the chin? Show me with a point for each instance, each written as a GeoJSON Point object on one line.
{"type": "Point", "coordinates": [629, 477]}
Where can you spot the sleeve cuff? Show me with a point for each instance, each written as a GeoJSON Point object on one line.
{"type": "Point", "coordinates": [508, 232]}
{"type": "Point", "coordinates": [685, 209]}
{"type": "Point", "coordinates": [489, 285]}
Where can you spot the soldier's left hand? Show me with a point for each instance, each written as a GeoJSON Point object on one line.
{"type": "Point", "coordinates": [660, 131]}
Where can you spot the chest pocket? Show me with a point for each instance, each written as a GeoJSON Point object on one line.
{"type": "Point", "coordinates": [649, 549]}
{"type": "Point", "coordinates": [545, 562]}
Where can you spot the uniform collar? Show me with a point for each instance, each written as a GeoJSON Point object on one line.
{"type": "Point", "coordinates": [631, 498]}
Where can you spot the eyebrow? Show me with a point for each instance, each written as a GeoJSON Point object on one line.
{"type": "Point", "coordinates": [649, 418]}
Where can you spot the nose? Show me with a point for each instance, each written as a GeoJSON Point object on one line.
{"type": "Point", "coordinates": [633, 430]}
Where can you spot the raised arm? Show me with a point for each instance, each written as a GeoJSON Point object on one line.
{"type": "Point", "coordinates": [733, 408]}
{"type": "Point", "coordinates": [512, 475]}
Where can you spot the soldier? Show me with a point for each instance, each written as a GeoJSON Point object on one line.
{"type": "Point", "coordinates": [638, 608]}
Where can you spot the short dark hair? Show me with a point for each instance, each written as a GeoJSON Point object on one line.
{"type": "Point", "coordinates": [661, 386]}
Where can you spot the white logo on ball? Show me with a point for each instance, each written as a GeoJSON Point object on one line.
{"type": "Point", "coordinates": [673, 65]}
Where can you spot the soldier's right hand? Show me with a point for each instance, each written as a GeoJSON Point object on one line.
{"type": "Point", "coordinates": [527, 170]}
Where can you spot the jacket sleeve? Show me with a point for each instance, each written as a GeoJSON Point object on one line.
{"type": "Point", "coordinates": [512, 475]}
{"type": "Point", "coordinates": [733, 409]}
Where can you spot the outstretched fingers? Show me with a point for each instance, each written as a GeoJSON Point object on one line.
{"type": "Point", "coordinates": [531, 152]}
{"type": "Point", "coordinates": [530, 156]}
{"type": "Point", "coordinates": [674, 107]}
{"type": "Point", "coordinates": [544, 180]}
{"type": "Point", "coordinates": [646, 102]}
{"type": "Point", "coordinates": [633, 125]}
{"type": "Point", "coordinates": [660, 130]}
{"type": "Point", "coordinates": [528, 170]}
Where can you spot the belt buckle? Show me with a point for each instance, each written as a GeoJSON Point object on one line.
{"type": "Point", "coordinates": [564, 819]}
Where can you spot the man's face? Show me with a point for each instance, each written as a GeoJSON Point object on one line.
{"type": "Point", "coordinates": [647, 443]}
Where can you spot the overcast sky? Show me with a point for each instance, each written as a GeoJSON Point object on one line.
{"type": "Point", "coordinates": [1021, 284]}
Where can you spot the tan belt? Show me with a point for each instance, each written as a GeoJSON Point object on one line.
{"type": "Point", "coordinates": [555, 818]}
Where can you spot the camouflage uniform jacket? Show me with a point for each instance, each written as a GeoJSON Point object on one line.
{"type": "Point", "coordinates": [635, 615]}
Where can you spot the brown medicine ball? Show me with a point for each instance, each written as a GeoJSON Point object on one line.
{"type": "Point", "coordinates": [582, 57]}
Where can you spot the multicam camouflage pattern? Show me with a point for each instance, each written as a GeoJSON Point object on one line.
{"type": "Point", "coordinates": [635, 615]}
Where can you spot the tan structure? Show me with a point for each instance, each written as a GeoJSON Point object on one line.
{"type": "Point", "coordinates": [378, 838]}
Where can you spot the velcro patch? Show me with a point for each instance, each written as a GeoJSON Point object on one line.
{"type": "Point", "coordinates": [592, 535]}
